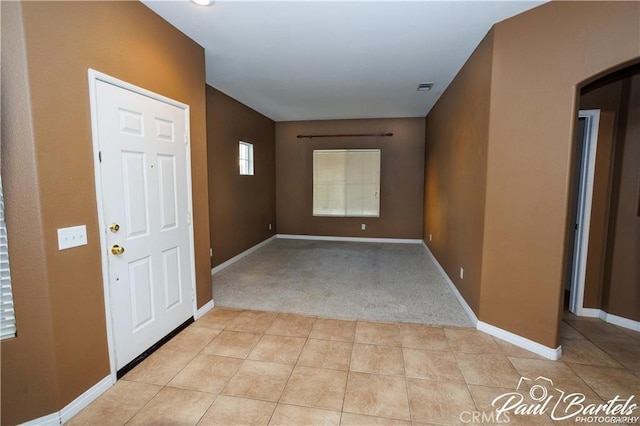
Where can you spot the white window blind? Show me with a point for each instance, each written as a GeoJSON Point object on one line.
{"type": "Point", "coordinates": [346, 182]}
{"type": "Point", "coordinates": [246, 158]}
{"type": "Point", "coordinates": [7, 316]}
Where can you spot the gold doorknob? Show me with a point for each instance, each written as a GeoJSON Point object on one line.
{"type": "Point", "coordinates": [114, 227]}
{"type": "Point", "coordinates": [116, 249]}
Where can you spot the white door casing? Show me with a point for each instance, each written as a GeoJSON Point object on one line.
{"type": "Point", "coordinates": [143, 182]}
{"type": "Point", "coordinates": [585, 196]}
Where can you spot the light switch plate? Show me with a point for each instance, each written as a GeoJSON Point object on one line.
{"type": "Point", "coordinates": [72, 237]}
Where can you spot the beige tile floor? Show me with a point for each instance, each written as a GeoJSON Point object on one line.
{"type": "Point", "coordinates": [235, 367]}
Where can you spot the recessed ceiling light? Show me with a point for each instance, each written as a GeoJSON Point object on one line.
{"type": "Point", "coordinates": [203, 2]}
{"type": "Point", "coordinates": [423, 87]}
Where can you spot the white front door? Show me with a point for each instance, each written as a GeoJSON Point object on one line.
{"type": "Point", "coordinates": [145, 181]}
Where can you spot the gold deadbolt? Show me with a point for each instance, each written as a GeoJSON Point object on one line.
{"type": "Point", "coordinates": [116, 249]}
{"type": "Point", "coordinates": [114, 227]}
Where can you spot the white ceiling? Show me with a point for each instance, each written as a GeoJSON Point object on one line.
{"type": "Point", "coordinates": [313, 60]}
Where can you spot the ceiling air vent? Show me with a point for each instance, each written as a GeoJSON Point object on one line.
{"type": "Point", "coordinates": [423, 87]}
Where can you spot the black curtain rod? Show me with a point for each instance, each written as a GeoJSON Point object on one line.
{"type": "Point", "coordinates": [345, 136]}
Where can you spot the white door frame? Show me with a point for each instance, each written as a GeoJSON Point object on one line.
{"type": "Point", "coordinates": [585, 198]}
{"type": "Point", "coordinates": [94, 77]}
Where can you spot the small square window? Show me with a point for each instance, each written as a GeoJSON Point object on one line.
{"type": "Point", "coordinates": [246, 158]}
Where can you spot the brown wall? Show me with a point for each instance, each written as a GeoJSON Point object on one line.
{"type": "Point", "coordinates": [606, 98]}
{"type": "Point", "coordinates": [63, 39]}
{"type": "Point", "coordinates": [622, 290]}
{"type": "Point", "coordinates": [539, 60]}
{"type": "Point", "coordinates": [29, 380]}
{"type": "Point", "coordinates": [456, 172]}
{"type": "Point", "coordinates": [540, 57]}
{"type": "Point", "coordinates": [401, 180]}
{"type": "Point", "coordinates": [241, 207]}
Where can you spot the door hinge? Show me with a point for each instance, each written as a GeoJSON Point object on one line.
{"type": "Point", "coordinates": [100, 156]}
{"type": "Point", "coordinates": [186, 140]}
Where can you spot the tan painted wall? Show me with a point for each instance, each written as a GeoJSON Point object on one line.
{"type": "Point", "coordinates": [64, 39]}
{"type": "Point", "coordinates": [623, 291]}
{"type": "Point", "coordinates": [539, 60]}
{"type": "Point", "coordinates": [241, 207]}
{"type": "Point", "coordinates": [401, 180]}
{"type": "Point", "coordinates": [606, 98]}
{"type": "Point", "coordinates": [29, 387]}
{"type": "Point", "coordinates": [455, 173]}
{"type": "Point", "coordinates": [540, 57]}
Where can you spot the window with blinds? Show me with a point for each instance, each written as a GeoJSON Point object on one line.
{"type": "Point", "coordinates": [346, 182]}
{"type": "Point", "coordinates": [7, 316]}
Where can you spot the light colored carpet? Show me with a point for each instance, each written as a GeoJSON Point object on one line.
{"type": "Point", "coordinates": [371, 281]}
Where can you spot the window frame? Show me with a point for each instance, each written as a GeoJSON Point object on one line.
{"type": "Point", "coordinates": [249, 161]}
{"type": "Point", "coordinates": [368, 209]}
{"type": "Point", "coordinates": [8, 328]}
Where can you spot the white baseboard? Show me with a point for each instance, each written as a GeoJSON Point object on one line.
{"type": "Point", "coordinates": [505, 335]}
{"type": "Point", "coordinates": [85, 399]}
{"type": "Point", "coordinates": [592, 313]}
{"type": "Point", "coordinates": [349, 239]}
{"type": "Point", "coordinates": [472, 315]}
{"type": "Point", "coordinates": [622, 322]}
{"type": "Point", "coordinates": [206, 308]}
{"type": "Point", "coordinates": [75, 406]}
{"type": "Point", "coordinates": [610, 318]}
{"type": "Point", "coordinates": [234, 259]}
{"type": "Point", "coordinates": [523, 342]}
{"type": "Point", "coordinates": [48, 420]}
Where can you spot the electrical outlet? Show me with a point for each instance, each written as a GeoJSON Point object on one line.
{"type": "Point", "coordinates": [461, 273]}
{"type": "Point", "coordinates": [72, 237]}
{"type": "Point", "coordinates": [363, 227]}
{"type": "Point", "coordinates": [210, 252]}
{"type": "Point", "coordinates": [269, 227]}
{"type": "Point", "coordinates": [430, 237]}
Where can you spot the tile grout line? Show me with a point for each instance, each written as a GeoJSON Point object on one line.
{"type": "Point", "coordinates": [162, 386]}
{"type": "Point", "coordinates": [589, 339]}
{"type": "Point", "coordinates": [346, 384]}
{"type": "Point", "coordinates": [144, 405]}
{"type": "Point", "coordinates": [466, 384]}
{"type": "Point", "coordinates": [218, 393]}
{"type": "Point", "coordinates": [406, 379]}
{"type": "Point", "coordinates": [246, 358]}
{"type": "Point", "coordinates": [293, 367]}
{"type": "Point", "coordinates": [226, 381]}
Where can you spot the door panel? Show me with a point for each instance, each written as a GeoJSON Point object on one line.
{"type": "Point", "coordinates": [168, 206]}
{"type": "Point", "coordinates": [164, 130]}
{"type": "Point", "coordinates": [143, 144]}
{"type": "Point", "coordinates": [141, 292]}
{"type": "Point", "coordinates": [172, 281]}
{"type": "Point", "coordinates": [131, 122]}
{"type": "Point", "coordinates": [135, 188]}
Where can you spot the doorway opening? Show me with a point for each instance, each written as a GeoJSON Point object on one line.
{"type": "Point", "coordinates": [584, 171]}
{"type": "Point", "coordinates": [603, 225]}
